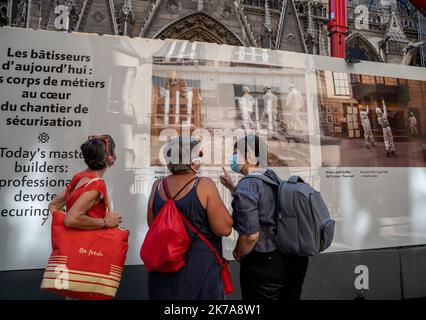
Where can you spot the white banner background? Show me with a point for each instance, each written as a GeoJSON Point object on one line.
{"type": "Point", "coordinates": [371, 212]}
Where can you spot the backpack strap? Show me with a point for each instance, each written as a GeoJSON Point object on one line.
{"type": "Point", "coordinates": [295, 179]}
{"type": "Point", "coordinates": [265, 178]}
{"type": "Point", "coordinates": [166, 188]}
{"type": "Point", "coordinates": [188, 223]}
{"type": "Point", "coordinates": [276, 183]}
{"type": "Point", "coordinates": [203, 238]}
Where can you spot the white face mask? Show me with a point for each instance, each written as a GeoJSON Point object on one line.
{"type": "Point", "coordinates": [196, 161]}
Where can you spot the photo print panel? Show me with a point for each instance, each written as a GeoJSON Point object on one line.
{"type": "Point", "coordinates": [386, 116]}
{"type": "Point", "coordinates": [220, 101]}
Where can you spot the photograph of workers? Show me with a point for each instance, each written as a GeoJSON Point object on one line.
{"type": "Point", "coordinates": [229, 99]}
{"type": "Point", "coordinates": [371, 121]}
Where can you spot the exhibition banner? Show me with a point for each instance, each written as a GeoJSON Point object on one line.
{"type": "Point", "coordinates": [356, 133]}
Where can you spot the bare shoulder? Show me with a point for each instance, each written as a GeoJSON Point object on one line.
{"type": "Point", "coordinates": [206, 182]}
{"type": "Point", "coordinates": [155, 184]}
{"type": "Point", "coordinates": [206, 189]}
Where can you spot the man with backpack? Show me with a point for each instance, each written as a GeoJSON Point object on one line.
{"type": "Point", "coordinates": [266, 273]}
{"type": "Point", "coordinates": [280, 224]}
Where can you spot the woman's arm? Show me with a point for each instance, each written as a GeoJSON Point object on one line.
{"type": "Point", "coordinates": [58, 203]}
{"type": "Point", "coordinates": [150, 214]}
{"type": "Point", "coordinates": [77, 217]}
{"type": "Point", "coordinates": [219, 218]}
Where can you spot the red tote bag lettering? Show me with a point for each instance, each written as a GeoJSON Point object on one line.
{"type": "Point", "coordinates": [85, 264]}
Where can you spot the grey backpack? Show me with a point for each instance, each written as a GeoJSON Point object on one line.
{"type": "Point", "coordinates": [304, 227]}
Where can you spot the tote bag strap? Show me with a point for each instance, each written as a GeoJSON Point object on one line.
{"type": "Point", "coordinates": [107, 201]}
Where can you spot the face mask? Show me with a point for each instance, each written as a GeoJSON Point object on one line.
{"type": "Point", "coordinates": [235, 166]}
{"type": "Point", "coordinates": [197, 161]}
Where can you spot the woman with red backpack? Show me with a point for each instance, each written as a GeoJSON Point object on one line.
{"type": "Point", "coordinates": [205, 219]}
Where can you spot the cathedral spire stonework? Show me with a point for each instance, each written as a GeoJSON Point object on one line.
{"type": "Point", "coordinates": [267, 34]}
{"type": "Point", "coordinates": [252, 23]}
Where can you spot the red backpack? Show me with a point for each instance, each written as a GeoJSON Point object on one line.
{"type": "Point", "coordinates": [167, 241]}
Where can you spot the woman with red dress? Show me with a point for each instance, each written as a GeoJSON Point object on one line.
{"type": "Point", "coordinates": [85, 198]}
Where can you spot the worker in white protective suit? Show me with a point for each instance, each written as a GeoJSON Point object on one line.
{"type": "Point", "coordinates": [246, 103]}
{"type": "Point", "coordinates": [382, 118]}
{"type": "Point", "coordinates": [368, 133]}
{"type": "Point", "coordinates": [413, 124]}
{"type": "Point", "coordinates": [294, 102]}
{"type": "Point", "coordinates": [270, 110]}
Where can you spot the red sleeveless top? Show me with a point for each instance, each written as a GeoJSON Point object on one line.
{"type": "Point", "coordinates": [98, 210]}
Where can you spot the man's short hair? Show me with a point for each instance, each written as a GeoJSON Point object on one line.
{"type": "Point", "coordinates": [252, 143]}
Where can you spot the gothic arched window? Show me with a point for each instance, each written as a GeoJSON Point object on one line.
{"type": "Point", "coordinates": [3, 15]}
{"type": "Point", "coordinates": [358, 47]}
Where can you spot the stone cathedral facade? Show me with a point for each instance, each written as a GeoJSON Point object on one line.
{"type": "Point", "coordinates": [391, 32]}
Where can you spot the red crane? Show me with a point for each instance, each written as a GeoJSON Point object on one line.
{"type": "Point", "coordinates": [338, 24]}
{"type": "Point", "coordinates": [420, 5]}
{"type": "Point", "coordinates": [337, 27]}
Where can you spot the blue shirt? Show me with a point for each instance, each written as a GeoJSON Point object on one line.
{"type": "Point", "coordinates": [254, 210]}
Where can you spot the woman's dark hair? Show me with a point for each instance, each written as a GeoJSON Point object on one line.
{"type": "Point", "coordinates": [178, 153]}
{"type": "Point", "coordinates": [252, 143]}
{"type": "Point", "coordinates": [95, 151]}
